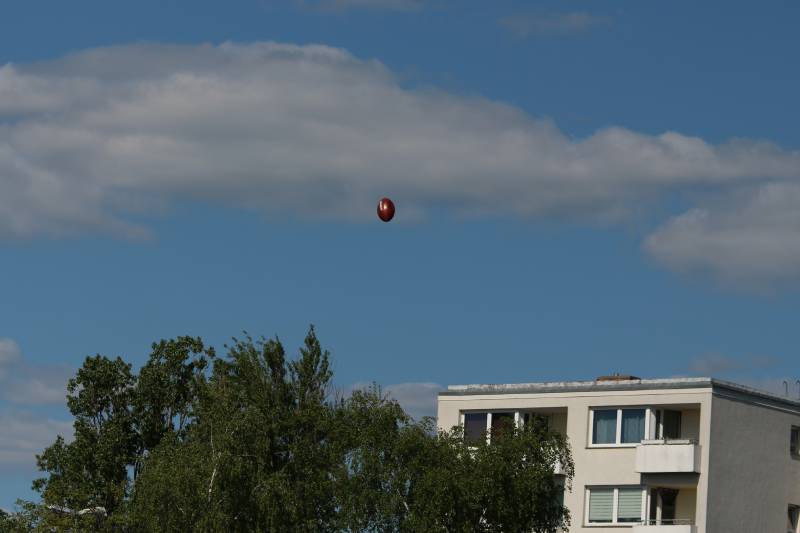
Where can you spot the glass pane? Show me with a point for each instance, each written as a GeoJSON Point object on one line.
{"type": "Point", "coordinates": [632, 425]}
{"type": "Point", "coordinates": [629, 506]}
{"type": "Point", "coordinates": [502, 420]}
{"type": "Point", "coordinates": [601, 503]}
{"type": "Point", "coordinates": [672, 424]}
{"type": "Point", "coordinates": [474, 426]}
{"type": "Point", "coordinates": [502, 423]}
{"type": "Point", "coordinates": [669, 498]}
{"type": "Point", "coordinates": [605, 427]}
{"type": "Point", "coordinates": [537, 421]}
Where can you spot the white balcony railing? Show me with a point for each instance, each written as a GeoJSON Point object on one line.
{"type": "Point", "coordinates": [665, 526]}
{"type": "Point", "coordinates": [667, 456]}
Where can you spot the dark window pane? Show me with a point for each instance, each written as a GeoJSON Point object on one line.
{"type": "Point", "coordinates": [668, 499]}
{"type": "Point", "coordinates": [672, 424]}
{"type": "Point", "coordinates": [502, 422]}
{"type": "Point", "coordinates": [605, 427]}
{"type": "Point", "coordinates": [632, 425]}
{"type": "Point", "coordinates": [474, 426]}
{"type": "Point", "coordinates": [537, 421]}
{"type": "Point", "coordinates": [794, 445]}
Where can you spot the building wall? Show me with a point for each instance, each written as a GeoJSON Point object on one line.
{"type": "Point", "coordinates": [593, 466]}
{"type": "Point", "coordinates": [690, 424]}
{"type": "Point", "coordinates": [752, 476]}
{"type": "Point", "coordinates": [686, 504]}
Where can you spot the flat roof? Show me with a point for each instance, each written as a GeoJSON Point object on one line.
{"type": "Point", "coordinates": [620, 385]}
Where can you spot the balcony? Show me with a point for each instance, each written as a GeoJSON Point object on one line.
{"type": "Point", "coordinates": [668, 456]}
{"type": "Point", "coordinates": [665, 526]}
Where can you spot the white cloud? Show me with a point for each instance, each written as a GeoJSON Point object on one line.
{"type": "Point", "coordinates": [342, 5]}
{"type": "Point", "coordinates": [9, 352]}
{"type": "Point", "coordinates": [528, 24]}
{"type": "Point", "coordinates": [752, 238]}
{"type": "Point", "coordinates": [25, 384]}
{"type": "Point", "coordinates": [92, 138]}
{"type": "Point", "coordinates": [26, 434]}
{"type": "Point", "coordinates": [418, 399]}
{"type": "Point", "coordinates": [779, 386]}
{"type": "Point", "coordinates": [713, 364]}
{"type": "Point", "coordinates": [36, 385]}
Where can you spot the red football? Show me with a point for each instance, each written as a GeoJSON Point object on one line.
{"type": "Point", "coordinates": [385, 209]}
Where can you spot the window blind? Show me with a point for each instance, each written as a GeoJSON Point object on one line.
{"type": "Point", "coordinates": [632, 425]}
{"type": "Point", "coordinates": [629, 505]}
{"type": "Point", "coordinates": [605, 426]}
{"type": "Point", "coordinates": [601, 505]}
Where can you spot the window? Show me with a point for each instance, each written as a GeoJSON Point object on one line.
{"type": "Point", "coordinates": [632, 426]}
{"type": "Point", "coordinates": [668, 424]}
{"type": "Point", "coordinates": [794, 518]}
{"type": "Point", "coordinates": [615, 505]}
{"type": "Point", "coordinates": [502, 422]}
{"type": "Point", "coordinates": [538, 421]}
{"type": "Point", "coordinates": [474, 426]}
{"type": "Point", "coordinates": [604, 428]}
{"type": "Point", "coordinates": [618, 427]}
{"type": "Point", "coordinates": [794, 442]}
{"type": "Point", "coordinates": [601, 506]}
{"type": "Point", "coordinates": [477, 425]}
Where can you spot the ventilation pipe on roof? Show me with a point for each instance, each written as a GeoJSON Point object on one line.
{"type": "Point", "coordinates": [618, 377]}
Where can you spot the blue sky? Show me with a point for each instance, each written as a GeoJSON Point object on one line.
{"type": "Point", "coordinates": [581, 187]}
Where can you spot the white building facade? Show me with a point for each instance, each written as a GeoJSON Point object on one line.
{"type": "Point", "coordinates": [689, 455]}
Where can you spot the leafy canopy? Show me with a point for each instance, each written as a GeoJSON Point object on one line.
{"type": "Point", "coordinates": [255, 441]}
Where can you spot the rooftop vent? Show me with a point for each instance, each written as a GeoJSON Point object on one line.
{"type": "Point", "coordinates": [618, 377]}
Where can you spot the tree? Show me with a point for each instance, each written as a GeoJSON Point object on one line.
{"type": "Point", "coordinates": [166, 392]}
{"type": "Point", "coordinates": [261, 453]}
{"type": "Point", "coordinates": [255, 441]}
{"type": "Point", "coordinates": [406, 477]}
{"type": "Point", "coordinates": [91, 471]}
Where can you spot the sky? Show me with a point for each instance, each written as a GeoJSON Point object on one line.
{"type": "Point", "coordinates": [581, 188]}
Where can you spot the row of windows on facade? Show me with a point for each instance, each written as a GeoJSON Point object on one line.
{"type": "Point", "coordinates": [609, 426]}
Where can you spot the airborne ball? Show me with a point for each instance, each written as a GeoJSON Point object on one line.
{"type": "Point", "coordinates": [385, 209]}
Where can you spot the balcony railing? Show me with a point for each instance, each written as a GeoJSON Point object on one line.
{"type": "Point", "coordinates": [668, 456]}
{"type": "Point", "coordinates": [677, 525]}
{"type": "Point", "coordinates": [668, 522]}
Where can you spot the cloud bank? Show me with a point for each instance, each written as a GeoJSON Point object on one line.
{"type": "Point", "coordinates": [344, 5]}
{"type": "Point", "coordinates": [528, 24]}
{"type": "Point", "coordinates": [26, 384]}
{"type": "Point", "coordinates": [418, 399]}
{"type": "Point", "coordinates": [91, 141]}
{"type": "Point", "coordinates": [26, 434]}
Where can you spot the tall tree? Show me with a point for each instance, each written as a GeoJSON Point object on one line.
{"type": "Point", "coordinates": [90, 473]}
{"type": "Point", "coordinates": [255, 441]}
{"type": "Point", "coordinates": [166, 391]}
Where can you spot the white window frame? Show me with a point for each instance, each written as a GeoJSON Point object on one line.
{"type": "Point", "coordinates": [618, 442]}
{"type": "Point", "coordinates": [615, 506]}
{"type": "Point", "coordinates": [517, 418]}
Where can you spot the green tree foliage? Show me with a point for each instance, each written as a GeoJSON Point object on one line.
{"type": "Point", "coordinates": [256, 441]}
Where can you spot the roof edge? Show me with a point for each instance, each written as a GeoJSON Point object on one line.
{"type": "Point", "coordinates": [621, 385]}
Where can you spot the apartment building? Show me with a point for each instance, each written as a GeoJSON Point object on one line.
{"type": "Point", "coordinates": [688, 455]}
